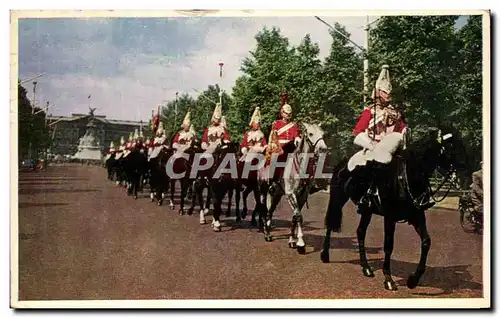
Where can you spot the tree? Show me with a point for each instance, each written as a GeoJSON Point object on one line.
{"type": "Point", "coordinates": [31, 127]}
{"type": "Point", "coordinates": [265, 75]}
{"type": "Point", "coordinates": [24, 121]}
{"type": "Point", "coordinates": [468, 114]}
{"type": "Point", "coordinates": [342, 93]}
{"type": "Point", "coordinates": [423, 56]}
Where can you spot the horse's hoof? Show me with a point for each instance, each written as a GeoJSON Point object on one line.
{"type": "Point", "coordinates": [301, 249]}
{"type": "Point", "coordinates": [238, 220]}
{"type": "Point", "coordinates": [292, 244]}
{"type": "Point", "coordinates": [217, 228]}
{"type": "Point", "coordinates": [202, 221]}
{"type": "Point", "coordinates": [160, 202]}
{"type": "Point", "coordinates": [367, 271]}
{"type": "Point", "coordinates": [390, 285]}
{"type": "Point", "coordinates": [190, 212]}
{"type": "Point", "coordinates": [171, 206]}
{"type": "Point", "coordinates": [181, 212]}
{"type": "Point", "coordinates": [135, 197]}
{"type": "Point", "coordinates": [244, 213]}
{"type": "Point", "coordinates": [412, 281]}
{"type": "Point", "coordinates": [325, 256]}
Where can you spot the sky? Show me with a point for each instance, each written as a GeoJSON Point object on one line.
{"type": "Point", "coordinates": [131, 65]}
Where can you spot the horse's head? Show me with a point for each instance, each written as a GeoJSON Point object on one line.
{"type": "Point", "coordinates": [313, 135]}
{"type": "Point", "coordinates": [442, 148]}
{"type": "Point", "coordinates": [453, 153]}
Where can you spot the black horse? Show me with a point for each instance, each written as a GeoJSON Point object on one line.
{"type": "Point", "coordinates": [158, 178]}
{"type": "Point", "coordinates": [402, 193]}
{"type": "Point", "coordinates": [110, 165]}
{"type": "Point", "coordinates": [226, 183]}
{"type": "Point", "coordinates": [135, 165]}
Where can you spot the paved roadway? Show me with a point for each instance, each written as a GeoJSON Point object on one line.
{"type": "Point", "coordinates": [81, 237]}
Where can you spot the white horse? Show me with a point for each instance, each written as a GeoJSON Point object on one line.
{"type": "Point", "coordinates": [295, 189]}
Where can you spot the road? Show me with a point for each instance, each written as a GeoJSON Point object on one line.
{"type": "Point", "coordinates": [82, 238]}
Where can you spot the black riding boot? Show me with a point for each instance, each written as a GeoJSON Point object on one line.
{"type": "Point", "coordinates": [377, 172]}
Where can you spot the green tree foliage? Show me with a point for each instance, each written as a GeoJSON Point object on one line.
{"type": "Point", "coordinates": [31, 127]}
{"type": "Point", "coordinates": [469, 98]}
{"type": "Point", "coordinates": [436, 73]}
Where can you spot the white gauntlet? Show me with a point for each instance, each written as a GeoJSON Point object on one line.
{"type": "Point", "coordinates": [364, 141]}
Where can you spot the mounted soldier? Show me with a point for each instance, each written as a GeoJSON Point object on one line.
{"type": "Point", "coordinates": [159, 141]}
{"type": "Point", "coordinates": [380, 132]}
{"type": "Point", "coordinates": [215, 134]}
{"type": "Point", "coordinates": [254, 140]}
{"type": "Point", "coordinates": [287, 130]}
{"type": "Point", "coordinates": [284, 137]}
{"type": "Point", "coordinates": [111, 151]}
{"type": "Point", "coordinates": [184, 138]}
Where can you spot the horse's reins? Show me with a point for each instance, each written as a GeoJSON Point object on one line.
{"type": "Point", "coordinates": [429, 190]}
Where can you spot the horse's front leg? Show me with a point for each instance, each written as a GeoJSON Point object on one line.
{"type": "Point", "coordinates": [230, 191]}
{"type": "Point", "coordinates": [244, 212]}
{"type": "Point", "coordinates": [183, 194]}
{"type": "Point", "coordinates": [271, 203]}
{"type": "Point", "coordinates": [389, 229]}
{"type": "Point", "coordinates": [191, 188]}
{"type": "Point", "coordinates": [217, 193]}
{"type": "Point", "coordinates": [366, 217]}
{"type": "Point", "coordinates": [296, 239]}
{"type": "Point", "coordinates": [172, 193]}
{"type": "Point", "coordinates": [237, 189]}
{"type": "Point", "coordinates": [425, 239]}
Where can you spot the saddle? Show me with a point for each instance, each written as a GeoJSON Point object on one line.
{"type": "Point", "coordinates": [364, 181]}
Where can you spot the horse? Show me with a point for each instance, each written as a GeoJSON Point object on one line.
{"type": "Point", "coordinates": [181, 164]}
{"type": "Point", "coordinates": [135, 165]}
{"type": "Point", "coordinates": [159, 180]}
{"type": "Point", "coordinates": [110, 163]}
{"type": "Point", "coordinates": [296, 189]}
{"type": "Point", "coordinates": [225, 183]}
{"type": "Point", "coordinates": [251, 184]}
{"type": "Point", "coordinates": [401, 196]}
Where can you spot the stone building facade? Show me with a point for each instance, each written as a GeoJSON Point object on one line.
{"type": "Point", "coordinates": [67, 131]}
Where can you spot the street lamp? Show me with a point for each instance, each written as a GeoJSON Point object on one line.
{"type": "Point", "coordinates": [30, 146]}
{"type": "Point", "coordinates": [220, 89]}
{"type": "Point", "coordinates": [175, 109]}
{"type": "Point", "coordinates": [32, 78]}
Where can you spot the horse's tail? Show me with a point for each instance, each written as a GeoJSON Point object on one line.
{"type": "Point", "coordinates": [338, 197]}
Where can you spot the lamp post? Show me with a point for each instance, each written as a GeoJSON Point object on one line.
{"type": "Point", "coordinates": [221, 64]}
{"type": "Point", "coordinates": [175, 109]}
{"type": "Point", "coordinates": [30, 150]}
{"type": "Point", "coordinates": [32, 78]}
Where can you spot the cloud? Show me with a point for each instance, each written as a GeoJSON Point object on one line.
{"type": "Point", "coordinates": [130, 65]}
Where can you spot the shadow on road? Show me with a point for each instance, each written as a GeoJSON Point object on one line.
{"type": "Point", "coordinates": [40, 205]}
{"type": "Point", "coordinates": [36, 183]}
{"type": "Point", "coordinates": [344, 243]}
{"type": "Point", "coordinates": [55, 190]}
{"type": "Point", "coordinates": [447, 278]}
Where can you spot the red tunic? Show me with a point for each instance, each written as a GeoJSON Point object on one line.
{"type": "Point", "coordinates": [182, 141]}
{"type": "Point", "coordinates": [250, 143]}
{"type": "Point", "coordinates": [224, 137]}
{"type": "Point", "coordinates": [286, 131]}
{"type": "Point", "coordinates": [363, 125]}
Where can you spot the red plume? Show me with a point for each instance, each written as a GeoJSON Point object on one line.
{"type": "Point", "coordinates": [284, 98]}
{"type": "Point", "coordinates": [156, 120]}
